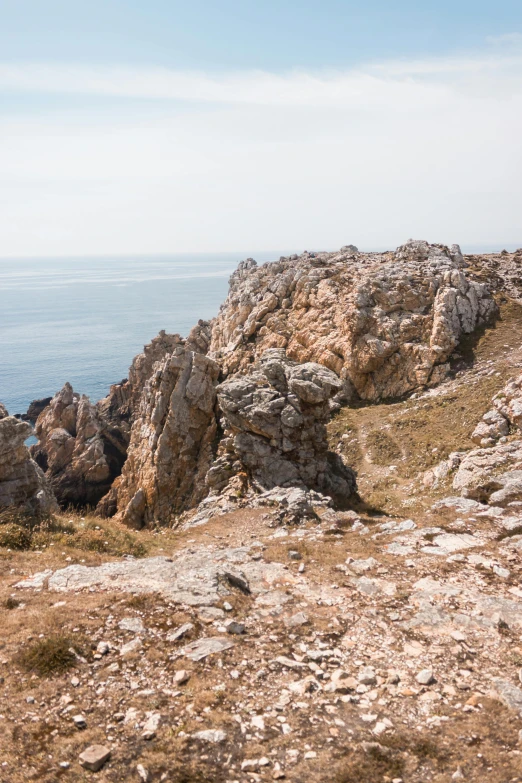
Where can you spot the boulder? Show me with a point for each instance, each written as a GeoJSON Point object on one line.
{"type": "Point", "coordinates": [275, 431]}
{"type": "Point", "coordinates": [505, 415]}
{"type": "Point", "coordinates": [491, 475]}
{"type": "Point", "coordinates": [385, 323]}
{"type": "Point", "coordinates": [171, 441]}
{"type": "Point", "coordinates": [23, 486]}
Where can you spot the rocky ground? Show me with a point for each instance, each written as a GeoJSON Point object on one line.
{"type": "Point", "coordinates": [372, 645]}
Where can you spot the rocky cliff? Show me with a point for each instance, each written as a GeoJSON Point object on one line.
{"type": "Point", "coordinates": [385, 323]}
{"type": "Point", "coordinates": [171, 441]}
{"type": "Point", "coordinates": [23, 486]}
{"type": "Point", "coordinates": [294, 340]}
{"type": "Point", "coordinates": [265, 632]}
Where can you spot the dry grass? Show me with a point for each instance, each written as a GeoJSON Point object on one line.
{"type": "Point", "coordinates": [45, 657]}
{"type": "Point", "coordinates": [415, 434]}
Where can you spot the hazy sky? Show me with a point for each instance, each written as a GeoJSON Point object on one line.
{"type": "Point", "coordinates": [162, 126]}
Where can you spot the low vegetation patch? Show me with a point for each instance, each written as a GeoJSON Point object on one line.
{"type": "Point", "coordinates": [19, 531]}
{"type": "Point", "coordinates": [45, 657]}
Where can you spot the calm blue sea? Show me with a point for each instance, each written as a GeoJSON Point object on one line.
{"type": "Point", "coordinates": [83, 320]}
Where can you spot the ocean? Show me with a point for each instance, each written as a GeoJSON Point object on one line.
{"type": "Point", "coordinates": [83, 320]}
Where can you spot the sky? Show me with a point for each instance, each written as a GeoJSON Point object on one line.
{"type": "Point", "coordinates": [165, 126]}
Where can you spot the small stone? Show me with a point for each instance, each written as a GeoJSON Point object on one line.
{"type": "Point", "coordinates": [181, 677]}
{"type": "Point", "coordinates": [30, 700]}
{"type": "Point", "coordinates": [367, 676]}
{"type": "Point", "coordinates": [458, 636]}
{"type": "Point", "coordinates": [183, 630]}
{"type": "Point", "coordinates": [151, 726]}
{"type": "Point", "coordinates": [64, 764]}
{"type": "Point", "coordinates": [458, 774]}
{"type": "Point", "coordinates": [211, 735]}
{"type": "Point", "coordinates": [235, 628]}
{"type": "Point", "coordinates": [293, 554]}
{"type": "Point", "coordinates": [94, 757]}
{"type": "Point", "coordinates": [103, 648]}
{"type": "Point", "coordinates": [142, 773]}
{"type": "Point", "coordinates": [310, 754]}
{"type": "Point", "coordinates": [227, 607]}
{"type": "Point", "coordinates": [301, 618]}
{"type": "Point", "coordinates": [75, 682]}
{"type": "Point", "coordinates": [130, 647]}
{"type": "Point", "coordinates": [133, 624]}
{"type": "Point", "coordinates": [425, 677]}
{"type": "Point", "coordinates": [79, 721]}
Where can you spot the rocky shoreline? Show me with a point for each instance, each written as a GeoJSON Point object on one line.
{"type": "Point", "coordinates": [289, 546]}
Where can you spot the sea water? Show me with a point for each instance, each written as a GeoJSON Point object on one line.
{"type": "Point", "coordinates": [83, 320]}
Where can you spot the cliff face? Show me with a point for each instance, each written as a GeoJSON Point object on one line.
{"type": "Point", "coordinates": [170, 448]}
{"type": "Point", "coordinates": [23, 485]}
{"type": "Point", "coordinates": [385, 323]}
{"type": "Point", "coordinates": [293, 340]}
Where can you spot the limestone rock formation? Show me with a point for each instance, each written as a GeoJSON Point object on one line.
{"type": "Point", "coordinates": [385, 323]}
{"type": "Point", "coordinates": [170, 448]}
{"type": "Point", "coordinates": [75, 449]}
{"type": "Point", "coordinates": [275, 432]}
{"type": "Point", "coordinates": [491, 475]}
{"type": "Point", "coordinates": [23, 485]}
{"type": "Point", "coordinates": [505, 414]}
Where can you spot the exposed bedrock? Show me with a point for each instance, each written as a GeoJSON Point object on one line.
{"type": "Point", "coordinates": [23, 485]}
{"type": "Point", "coordinates": [385, 323]}
{"type": "Point", "coordinates": [171, 441]}
{"type": "Point", "coordinates": [275, 431]}
{"type": "Point", "coordinates": [80, 455]}
{"type": "Point", "coordinates": [505, 415]}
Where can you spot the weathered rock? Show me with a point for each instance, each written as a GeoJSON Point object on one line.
{"type": "Point", "coordinates": [171, 441]}
{"type": "Point", "coordinates": [75, 449]}
{"type": "Point", "coordinates": [385, 323]}
{"type": "Point", "coordinates": [200, 578]}
{"type": "Point", "coordinates": [275, 429]}
{"type": "Point", "coordinates": [23, 486]}
{"type": "Point", "coordinates": [491, 475]}
{"type": "Point", "coordinates": [506, 414]}
{"type": "Point", "coordinates": [35, 409]}
{"type": "Point", "coordinates": [94, 757]}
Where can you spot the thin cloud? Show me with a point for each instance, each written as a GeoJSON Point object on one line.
{"type": "Point", "coordinates": [258, 160]}
{"type": "Point", "coordinates": [294, 88]}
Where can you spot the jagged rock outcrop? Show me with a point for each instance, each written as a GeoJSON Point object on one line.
{"type": "Point", "coordinates": [275, 430]}
{"type": "Point", "coordinates": [75, 449]}
{"type": "Point", "coordinates": [34, 410]}
{"type": "Point", "coordinates": [506, 414]}
{"type": "Point", "coordinates": [385, 323]}
{"type": "Point", "coordinates": [171, 442]}
{"type": "Point", "coordinates": [23, 485]}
